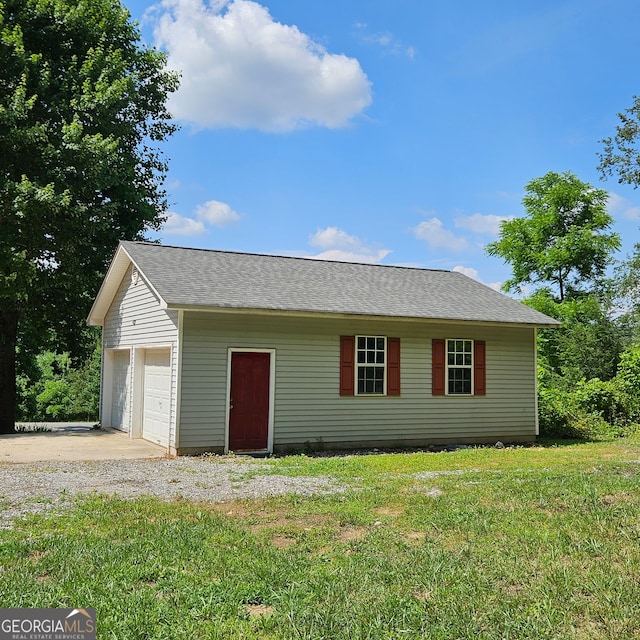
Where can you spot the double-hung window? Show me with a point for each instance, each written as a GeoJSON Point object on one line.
{"type": "Point", "coordinates": [459, 367]}
{"type": "Point", "coordinates": [371, 365]}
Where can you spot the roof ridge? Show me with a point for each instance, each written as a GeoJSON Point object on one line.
{"type": "Point", "coordinates": [282, 257]}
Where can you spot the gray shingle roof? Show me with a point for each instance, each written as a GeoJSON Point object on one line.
{"type": "Point", "coordinates": [220, 279]}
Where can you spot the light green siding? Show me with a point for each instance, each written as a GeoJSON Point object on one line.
{"type": "Point", "coordinates": [308, 407]}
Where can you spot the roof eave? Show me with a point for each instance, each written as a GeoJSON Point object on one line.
{"type": "Point", "coordinates": [334, 314]}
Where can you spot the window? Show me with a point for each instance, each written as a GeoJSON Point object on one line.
{"type": "Point", "coordinates": [459, 367]}
{"type": "Point", "coordinates": [370, 365]}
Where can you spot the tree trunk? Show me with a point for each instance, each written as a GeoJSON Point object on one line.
{"type": "Point", "coordinates": [8, 335]}
{"type": "Point", "coordinates": [561, 283]}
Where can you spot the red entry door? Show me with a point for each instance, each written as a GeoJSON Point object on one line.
{"type": "Point", "coordinates": [249, 401]}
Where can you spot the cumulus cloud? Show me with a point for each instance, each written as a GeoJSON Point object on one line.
{"type": "Point", "coordinates": [484, 224]}
{"type": "Point", "coordinates": [470, 272]}
{"type": "Point", "coordinates": [242, 69]}
{"type": "Point", "coordinates": [433, 232]}
{"type": "Point", "coordinates": [180, 226]}
{"type": "Point", "coordinates": [216, 213]}
{"type": "Point", "coordinates": [621, 207]}
{"type": "Point", "coordinates": [211, 213]}
{"type": "Point", "coordinates": [473, 273]}
{"type": "Point", "coordinates": [341, 246]}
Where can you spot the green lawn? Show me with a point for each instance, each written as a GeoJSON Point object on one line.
{"type": "Point", "coordinates": [540, 542]}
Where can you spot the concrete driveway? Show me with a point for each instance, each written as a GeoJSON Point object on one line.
{"type": "Point", "coordinates": [74, 441]}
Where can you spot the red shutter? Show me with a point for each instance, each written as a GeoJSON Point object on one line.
{"type": "Point", "coordinates": [437, 367]}
{"type": "Point", "coordinates": [347, 364]}
{"type": "Point", "coordinates": [479, 368]}
{"type": "Point", "coordinates": [393, 366]}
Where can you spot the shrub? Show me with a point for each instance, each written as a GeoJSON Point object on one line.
{"type": "Point", "coordinates": [603, 398]}
{"type": "Point", "coordinates": [556, 413]}
{"type": "Point", "coordinates": [628, 381]}
{"type": "Point", "coordinates": [591, 410]}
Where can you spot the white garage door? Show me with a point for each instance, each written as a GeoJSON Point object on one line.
{"type": "Point", "coordinates": [157, 396]}
{"type": "Point", "coordinates": [120, 404]}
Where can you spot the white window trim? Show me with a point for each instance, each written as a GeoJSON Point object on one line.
{"type": "Point", "coordinates": [358, 365]}
{"type": "Point", "coordinates": [471, 366]}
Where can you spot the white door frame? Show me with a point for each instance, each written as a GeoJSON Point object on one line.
{"type": "Point", "coordinates": [106, 399]}
{"type": "Point", "coordinates": [272, 392]}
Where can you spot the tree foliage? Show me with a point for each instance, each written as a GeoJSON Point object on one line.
{"type": "Point", "coordinates": [82, 112]}
{"type": "Point", "coordinates": [587, 345]}
{"type": "Point", "coordinates": [620, 155]}
{"type": "Point", "coordinates": [561, 240]}
{"type": "Point", "coordinates": [56, 389]}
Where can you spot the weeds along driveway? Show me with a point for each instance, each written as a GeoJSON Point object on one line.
{"type": "Point", "coordinates": [36, 487]}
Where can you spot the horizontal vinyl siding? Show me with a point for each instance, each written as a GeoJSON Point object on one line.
{"type": "Point", "coordinates": [136, 321]}
{"type": "Point", "coordinates": [135, 317]}
{"type": "Point", "coordinates": [308, 407]}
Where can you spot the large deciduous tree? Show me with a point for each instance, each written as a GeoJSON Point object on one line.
{"type": "Point", "coordinates": [620, 157]}
{"type": "Point", "coordinates": [82, 112]}
{"type": "Point", "coordinates": [621, 154]}
{"type": "Point", "coordinates": [562, 239]}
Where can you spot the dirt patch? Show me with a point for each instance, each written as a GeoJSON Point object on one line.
{"type": "Point", "coordinates": [258, 610]}
{"type": "Point", "coordinates": [305, 523]}
{"type": "Point", "coordinates": [513, 589]}
{"type": "Point", "coordinates": [388, 512]}
{"type": "Point", "coordinates": [352, 534]}
{"type": "Point", "coordinates": [423, 596]}
{"type": "Point", "coordinates": [615, 498]}
{"type": "Point", "coordinates": [415, 537]}
{"type": "Point", "coordinates": [452, 542]}
{"type": "Point", "coordinates": [283, 542]}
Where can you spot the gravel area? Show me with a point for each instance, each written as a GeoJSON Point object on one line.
{"type": "Point", "coordinates": [34, 488]}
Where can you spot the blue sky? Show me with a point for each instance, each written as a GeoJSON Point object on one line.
{"type": "Point", "coordinates": [394, 133]}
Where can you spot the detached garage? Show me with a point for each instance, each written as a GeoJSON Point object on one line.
{"type": "Point", "coordinates": [221, 351]}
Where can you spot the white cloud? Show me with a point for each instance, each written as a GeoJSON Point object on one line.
{"type": "Point", "coordinates": [211, 212]}
{"type": "Point", "coordinates": [619, 206]}
{"type": "Point", "coordinates": [470, 272]}
{"type": "Point", "coordinates": [333, 237]}
{"type": "Point", "coordinates": [478, 223]}
{"type": "Point", "coordinates": [181, 226]}
{"type": "Point", "coordinates": [339, 245]}
{"type": "Point", "coordinates": [437, 237]}
{"type": "Point", "coordinates": [242, 69]}
{"type": "Point", "coordinates": [373, 257]}
{"type": "Point", "coordinates": [216, 213]}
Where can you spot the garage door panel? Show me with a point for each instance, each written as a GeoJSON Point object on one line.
{"type": "Point", "coordinates": [120, 391]}
{"type": "Point", "coordinates": [157, 396]}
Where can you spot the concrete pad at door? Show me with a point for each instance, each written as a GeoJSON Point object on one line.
{"type": "Point", "coordinates": [71, 442]}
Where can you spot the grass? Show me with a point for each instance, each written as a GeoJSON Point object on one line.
{"type": "Point", "coordinates": [540, 542]}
